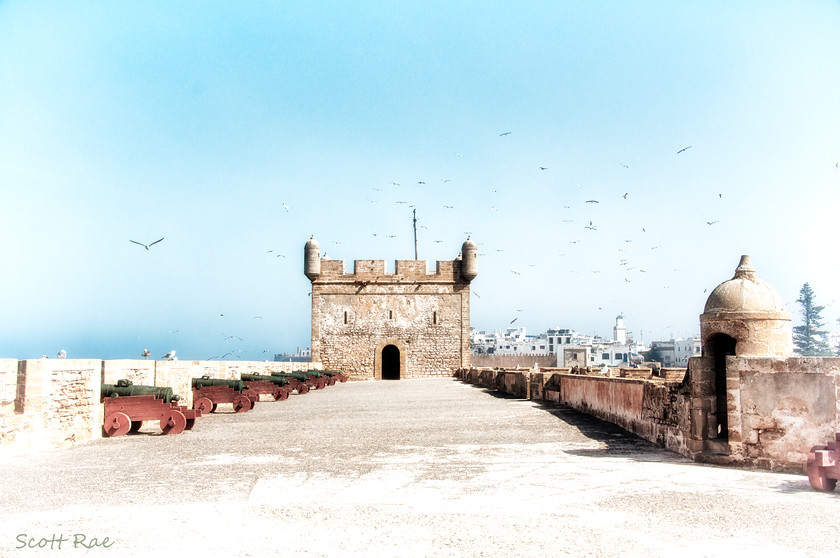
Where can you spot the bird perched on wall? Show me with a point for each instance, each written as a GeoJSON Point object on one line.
{"type": "Point", "coordinates": [146, 353]}
{"type": "Point", "coordinates": [146, 246]}
{"type": "Point", "coordinates": [169, 356]}
{"type": "Point", "coordinates": [61, 354]}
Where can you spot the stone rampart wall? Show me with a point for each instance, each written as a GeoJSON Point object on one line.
{"type": "Point", "coordinates": [777, 408]}
{"type": "Point", "coordinates": [54, 403]}
{"type": "Point", "coordinates": [512, 361]}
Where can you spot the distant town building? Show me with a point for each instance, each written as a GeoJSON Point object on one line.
{"type": "Point", "coordinates": [676, 352]}
{"type": "Point", "coordinates": [302, 355]}
{"type": "Point", "coordinates": [571, 347]}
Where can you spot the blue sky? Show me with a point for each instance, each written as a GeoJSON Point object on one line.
{"type": "Point", "coordinates": [198, 121]}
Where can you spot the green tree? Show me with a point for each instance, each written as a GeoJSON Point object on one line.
{"type": "Point", "coordinates": [652, 355]}
{"type": "Point", "coordinates": [808, 336]}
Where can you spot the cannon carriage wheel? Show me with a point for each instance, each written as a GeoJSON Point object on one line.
{"type": "Point", "coordinates": [242, 404]}
{"type": "Point", "coordinates": [816, 474]}
{"type": "Point", "coordinates": [204, 405]}
{"type": "Point", "coordinates": [173, 422]}
{"type": "Point", "coordinates": [116, 424]}
{"type": "Point", "coordinates": [281, 394]}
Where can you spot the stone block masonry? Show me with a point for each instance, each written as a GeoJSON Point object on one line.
{"type": "Point", "coordinates": [55, 403]}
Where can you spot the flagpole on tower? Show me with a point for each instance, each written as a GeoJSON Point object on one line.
{"type": "Point", "coordinates": [414, 212]}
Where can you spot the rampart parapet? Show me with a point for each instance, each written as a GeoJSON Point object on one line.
{"type": "Point", "coordinates": [404, 270]}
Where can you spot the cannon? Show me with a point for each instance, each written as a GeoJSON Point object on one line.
{"type": "Point", "coordinates": [274, 385]}
{"type": "Point", "coordinates": [126, 388]}
{"type": "Point", "coordinates": [823, 465]}
{"type": "Point", "coordinates": [328, 379]}
{"type": "Point", "coordinates": [209, 392]}
{"type": "Point", "coordinates": [127, 406]}
{"type": "Point", "coordinates": [337, 374]}
{"type": "Point", "coordinates": [299, 379]}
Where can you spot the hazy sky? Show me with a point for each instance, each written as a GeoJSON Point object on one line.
{"type": "Point", "coordinates": [198, 121]}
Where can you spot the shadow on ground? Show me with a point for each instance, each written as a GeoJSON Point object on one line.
{"type": "Point", "coordinates": [615, 441]}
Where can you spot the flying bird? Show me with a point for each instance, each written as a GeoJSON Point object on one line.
{"type": "Point", "coordinates": [504, 134]}
{"type": "Point", "coordinates": [592, 201]}
{"type": "Point", "coordinates": [513, 320]}
{"type": "Point", "coordinates": [711, 222]}
{"type": "Point", "coordinates": [683, 149]}
{"type": "Point", "coordinates": [543, 168]}
{"type": "Point", "coordinates": [625, 166]}
{"type": "Point", "coordinates": [146, 246]}
{"type": "Point", "coordinates": [625, 195]}
{"type": "Point", "coordinates": [286, 207]}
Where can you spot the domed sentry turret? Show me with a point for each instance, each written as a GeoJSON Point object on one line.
{"type": "Point", "coordinates": [312, 259]}
{"type": "Point", "coordinates": [751, 312]}
{"type": "Point", "coordinates": [469, 260]}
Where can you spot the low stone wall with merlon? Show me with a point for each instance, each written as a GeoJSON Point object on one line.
{"type": "Point", "coordinates": [54, 403]}
{"type": "Point", "coordinates": [777, 408]}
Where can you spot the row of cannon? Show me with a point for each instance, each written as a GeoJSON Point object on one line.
{"type": "Point", "coordinates": [127, 405]}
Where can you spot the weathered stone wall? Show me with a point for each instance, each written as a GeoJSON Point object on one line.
{"type": "Point", "coordinates": [653, 409]}
{"type": "Point", "coordinates": [54, 403]}
{"type": "Point", "coordinates": [783, 408]}
{"type": "Point", "coordinates": [777, 409]}
{"type": "Point", "coordinates": [425, 315]}
{"type": "Point", "coordinates": [512, 361]}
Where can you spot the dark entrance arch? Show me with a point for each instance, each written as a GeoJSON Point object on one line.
{"type": "Point", "coordinates": [722, 346]}
{"type": "Point", "coordinates": [390, 362]}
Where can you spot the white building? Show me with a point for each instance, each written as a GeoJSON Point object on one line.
{"type": "Point", "coordinates": [619, 351]}
{"type": "Point", "coordinates": [676, 352]}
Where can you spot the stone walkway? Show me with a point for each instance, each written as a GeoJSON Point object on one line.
{"type": "Point", "coordinates": [411, 468]}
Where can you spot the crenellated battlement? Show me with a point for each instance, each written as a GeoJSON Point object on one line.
{"type": "Point", "coordinates": [404, 270]}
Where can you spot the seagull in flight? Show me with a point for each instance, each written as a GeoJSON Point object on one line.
{"type": "Point", "coordinates": [592, 201]}
{"type": "Point", "coordinates": [711, 222]}
{"type": "Point", "coordinates": [504, 134]}
{"type": "Point", "coordinates": [543, 168]}
{"type": "Point", "coordinates": [146, 246]}
{"type": "Point", "coordinates": [286, 207]}
{"type": "Point", "coordinates": [683, 149]}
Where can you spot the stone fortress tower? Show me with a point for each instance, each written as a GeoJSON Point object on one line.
{"type": "Point", "coordinates": [377, 325]}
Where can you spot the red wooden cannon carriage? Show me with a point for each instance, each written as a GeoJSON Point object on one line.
{"type": "Point", "coordinates": [127, 406]}
{"type": "Point", "coordinates": [279, 388]}
{"type": "Point", "coordinates": [209, 392]}
{"type": "Point", "coordinates": [823, 465]}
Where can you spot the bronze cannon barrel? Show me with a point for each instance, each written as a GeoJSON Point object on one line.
{"type": "Point", "coordinates": [276, 380]}
{"type": "Point", "coordinates": [237, 385]}
{"type": "Point", "coordinates": [124, 388]}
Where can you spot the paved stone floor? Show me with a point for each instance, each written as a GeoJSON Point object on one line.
{"type": "Point", "coordinates": [411, 468]}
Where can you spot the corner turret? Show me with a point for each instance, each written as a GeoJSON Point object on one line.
{"type": "Point", "coordinates": [312, 259]}
{"type": "Point", "coordinates": [469, 260]}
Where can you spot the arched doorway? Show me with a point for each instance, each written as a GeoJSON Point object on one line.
{"type": "Point", "coordinates": [390, 362]}
{"type": "Point", "coordinates": [722, 346]}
